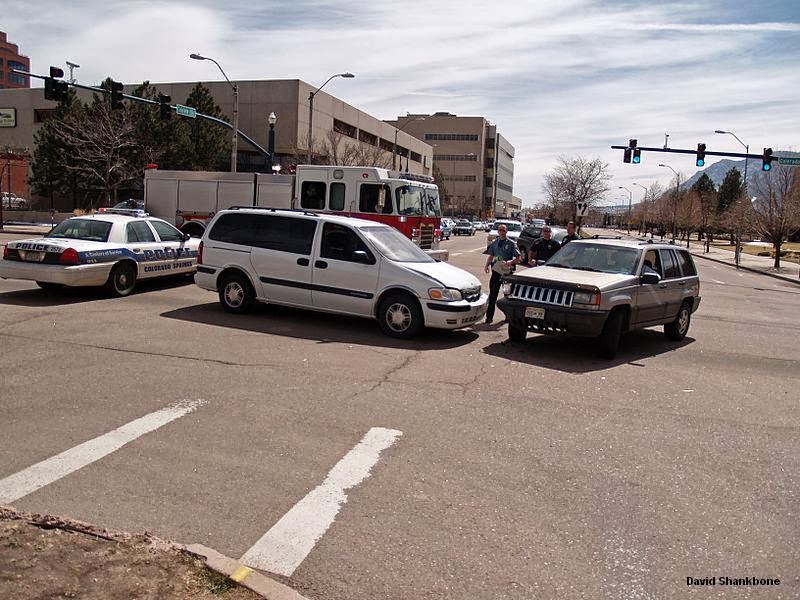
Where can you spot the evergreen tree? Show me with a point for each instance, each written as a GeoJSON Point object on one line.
{"type": "Point", "coordinates": [165, 142]}
{"type": "Point", "coordinates": [729, 190]}
{"type": "Point", "coordinates": [209, 142]}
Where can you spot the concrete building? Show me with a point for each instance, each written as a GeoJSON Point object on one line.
{"type": "Point", "coordinates": [342, 133]}
{"type": "Point", "coordinates": [475, 163]}
{"type": "Point", "coordinates": [10, 58]}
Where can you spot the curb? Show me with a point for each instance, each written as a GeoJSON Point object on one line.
{"type": "Point", "coordinates": [751, 269]}
{"type": "Point", "coordinates": [242, 574]}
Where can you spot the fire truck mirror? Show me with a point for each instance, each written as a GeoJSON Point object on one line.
{"type": "Point", "coordinates": [381, 199]}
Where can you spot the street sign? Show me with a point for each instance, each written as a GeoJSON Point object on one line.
{"type": "Point", "coordinates": [785, 160]}
{"type": "Point", "coordinates": [582, 209]}
{"type": "Point", "coordinates": [186, 111]}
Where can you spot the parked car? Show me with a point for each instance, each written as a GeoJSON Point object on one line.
{"type": "Point", "coordinates": [478, 225]}
{"type": "Point", "coordinates": [334, 264]}
{"type": "Point", "coordinates": [108, 249]}
{"type": "Point", "coordinates": [531, 233]}
{"type": "Point", "coordinates": [463, 227]}
{"type": "Point", "coordinates": [514, 229]}
{"type": "Point", "coordinates": [446, 229]}
{"type": "Point", "coordinates": [13, 202]}
{"type": "Point", "coordinates": [602, 288]}
{"type": "Point", "coordinates": [129, 204]}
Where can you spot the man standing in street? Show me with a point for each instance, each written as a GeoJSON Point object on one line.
{"type": "Point", "coordinates": [543, 248]}
{"type": "Point", "coordinates": [571, 235]}
{"type": "Point", "coordinates": [503, 255]}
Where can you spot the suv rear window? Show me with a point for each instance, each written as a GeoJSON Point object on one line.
{"type": "Point", "coordinates": [284, 234]}
{"type": "Point", "coordinates": [669, 265]}
{"type": "Point", "coordinates": [686, 263]}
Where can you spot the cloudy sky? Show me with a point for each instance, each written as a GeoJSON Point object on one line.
{"type": "Point", "coordinates": [564, 77]}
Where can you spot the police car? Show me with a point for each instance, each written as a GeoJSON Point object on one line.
{"type": "Point", "coordinates": [115, 249]}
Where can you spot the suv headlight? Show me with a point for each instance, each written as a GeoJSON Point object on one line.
{"type": "Point", "coordinates": [444, 294]}
{"type": "Point", "coordinates": [507, 288]}
{"type": "Point", "coordinates": [590, 298]}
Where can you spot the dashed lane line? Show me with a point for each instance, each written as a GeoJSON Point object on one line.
{"type": "Point", "coordinates": [35, 477]}
{"type": "Point", "coordinates": [291, 539]}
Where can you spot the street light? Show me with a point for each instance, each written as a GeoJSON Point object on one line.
{"type": "Point", "coordinates": [272, 119]}
{"type": "Point", "coordinates": [738, 250]}
{"type": "Point", "coordinates": [235, 87]}
{"type": "Point", "coordinates": [630, 200]}
{"type": "Point", "coordinates": [644, 202]}
{"type": "Point", "coordinates": [311, 95]}
{"type": "Point", "coordinates": [396, 131]}
{"type": "Point", "coordinates": [677, 191]}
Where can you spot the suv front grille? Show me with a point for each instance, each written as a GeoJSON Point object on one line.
{"type": "Point", "coordinates": [544, 295]}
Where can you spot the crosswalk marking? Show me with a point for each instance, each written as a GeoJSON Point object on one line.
{"type": "Point", "coordinates": [27, 481]}
{"type": "Point", "coordinates": [291, 539]}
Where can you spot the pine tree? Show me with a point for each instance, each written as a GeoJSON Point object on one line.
{"type": "Point", "coordinates": [209, 142]}
{"type": "Point", "coordinates": [165, 142]}
{"type": "Point", "coordinates": [729, 190]}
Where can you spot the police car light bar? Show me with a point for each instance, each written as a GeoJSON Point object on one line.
{"type": "Point", "coordinates": [131, 212]}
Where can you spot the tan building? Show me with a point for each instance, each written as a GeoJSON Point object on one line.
{"type": "Point", "coordinates": [474, 162]}
{"type": "Point", "coordinates": [514, 207]}
{"type": "Point", "coordinates": [341, 131]}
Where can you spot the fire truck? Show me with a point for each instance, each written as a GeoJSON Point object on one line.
{"type": "Point", "coordinates": [408, 202]}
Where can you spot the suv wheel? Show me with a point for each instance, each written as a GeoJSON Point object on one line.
{"type": "Point", "coordinates": [400, 316]}
{"type": "Point", "coordinates": [235, 293]}
{"type": "Point", "coordinates": [609, 339]}
{"type": "Point", "coordinates": [677, 330]}
{"type": "Point", "coordinates": [516, 334]}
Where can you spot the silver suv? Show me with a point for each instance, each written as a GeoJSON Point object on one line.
{"type": "Point", "coordinates": [603, 288]}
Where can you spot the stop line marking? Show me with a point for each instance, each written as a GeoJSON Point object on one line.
{"type": "Point", "coordinates": [291, 539]}
{"type": "Point", "coordinates": [35, 477]}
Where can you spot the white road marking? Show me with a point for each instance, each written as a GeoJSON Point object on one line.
{"type": "Point", "coordinates": [719, 282]}
{"type": "Point", "coordinates": [286, 545]}
{"type": "Point", "coordinates": [481, 249]}
{"type": "Point", "coordinates": [25, 482]}
{"type": "Point", "coordinates": [456, 253]}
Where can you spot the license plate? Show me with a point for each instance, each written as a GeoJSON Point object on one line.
{"type": "Point", "coordinates": [534, 312]}
{"type": "Point", "coordinates": [29, 256]}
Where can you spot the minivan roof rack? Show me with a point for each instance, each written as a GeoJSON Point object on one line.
{"type": "Point", "coordinates": [271, 209]}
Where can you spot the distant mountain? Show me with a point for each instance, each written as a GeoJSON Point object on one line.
{"type": "Point", "coordinates": [718, 170]}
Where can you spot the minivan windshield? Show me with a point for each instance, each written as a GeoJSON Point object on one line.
{"type": "Point", "coordinates": [596, 257]}
{"type": "Point", "coordinates": [394, 245]}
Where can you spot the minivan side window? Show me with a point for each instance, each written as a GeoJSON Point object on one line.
{"type": "Point", "coordinates": [671, 270]}
{"type": "Point", "coordinates": [370, 194]}
{"type": "Point", "coordinates": [271, 232]}
{"type": "Point", "coordinates": [312, 195]}
{"type": "Point", "coordinates": [339, 243]}
{"type": "Point", "coordinates": [336, 201]}
{"type": "Point", "coordinates": [686, 264]}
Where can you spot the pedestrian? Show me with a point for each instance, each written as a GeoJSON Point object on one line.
{"type": "Point", "coordinates": [503, 255]}
{"type": "Point", "coordinates": [571, 235]}
{"type": "Point", "coordinates": [543, 248]}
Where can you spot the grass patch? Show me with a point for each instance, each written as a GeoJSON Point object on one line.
{"type": "Point", "coordinates": [217, 584]}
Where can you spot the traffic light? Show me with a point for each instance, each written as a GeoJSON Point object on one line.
{"type": "Point", "coordinates": [626, 157]}
{"type": "Point", "coordinates": [56, 72]}
{"type": "Point", "coordinates": [766, 164]}
{"type": "Point", "coordinates": [637, 156]}
{"type": "Point", "coordinates": [633, 154]}
{"type": "Point", "coordinates": [701, 155]}
{"type": "Point", "coordinates": [55, 90]}
{"type": "Point", "coordinates": [116, 95]}
{"type": "Point", "coordinates": [165, 110]}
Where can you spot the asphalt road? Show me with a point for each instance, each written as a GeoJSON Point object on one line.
{"type": "Point", "coordinates": [530, 470]}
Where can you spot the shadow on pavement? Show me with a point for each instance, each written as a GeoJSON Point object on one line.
{"type": "Point", "coordinates": [36, 297]}
{"type": "Point", "coordinates": [578, 355]}
{"type": "Point", "coordinates": [324, 328]}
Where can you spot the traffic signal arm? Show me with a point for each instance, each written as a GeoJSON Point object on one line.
{"type": "Point", "coordinates": [682, 151]}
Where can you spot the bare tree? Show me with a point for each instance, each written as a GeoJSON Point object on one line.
{"type": "Point", "coordinates": [576, 180]}
{"type": "Point", "coordinates": [776, 206]}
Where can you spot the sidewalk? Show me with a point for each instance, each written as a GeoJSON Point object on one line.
{"type": "Point", "coordinates": [747, 262]}
{"type": "Point", "coordinates": [32, 229]}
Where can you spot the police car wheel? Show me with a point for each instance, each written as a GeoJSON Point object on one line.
{"type": "Point", "coordinates": [122, 279]}
{"type": "Point", "coordinates": [235, 294]}
{"type": "Point", "coordinates": [400, 316]}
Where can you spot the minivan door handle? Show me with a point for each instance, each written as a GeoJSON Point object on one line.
{"type": "Point", "coordinates": [321, 264]}
{"type": "Point", "coordinates": [303, 262]}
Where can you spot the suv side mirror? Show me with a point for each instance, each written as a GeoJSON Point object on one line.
{"type": "Point", "coordinates": [650, 278]}
{"type": "Point", "coordinates": [361, 256]}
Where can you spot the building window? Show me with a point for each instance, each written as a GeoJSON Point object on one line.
{"type": "Point", "coordinates": [490, 143]}
{"type": "Point", "coordinates": [459, 178]}
{"type": "Point", "coordinates": [416, 157]}
{"type": "Point", "coordinates": [506, 169]}
{"type": "Point", "coordinates": [456, 157]}
{"type": "Point", "coordinates": [505, 187]}
{"type": "Point", "coordinates": [386, 145]}
{"type": "Point", "coordinates": [489, 182]}
{"type": "Point", "coordinates": [453, 137]}
{"type": "Point", "coordinates": [344, 128]}
{"type": "Point", "coordinates": [368, 138]}
{"type": "Point", "coordinates": [40, 115]}
{"type": "Point", "coordinates": [17, 79]}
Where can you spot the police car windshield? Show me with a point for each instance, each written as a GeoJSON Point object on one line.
{"type": "Point", "coordinates": [90, 230]}
{"type": "Point", "coordinates": [394, 245]}
{"type": "Point", "coordinates": [596, 257]}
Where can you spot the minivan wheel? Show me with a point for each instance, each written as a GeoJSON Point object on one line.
{"type": "Point", "coordinates": [235, 293]}
{"type": "Point", "coordinates": [678, 329]}
{"type": "Point", "coordinates": [400, 316]}
{"type": "Point", "coordinates": [608, 342]}
{"type": "Point", "coordinates": [122, 279]}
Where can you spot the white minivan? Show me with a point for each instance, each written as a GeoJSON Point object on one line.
{"type": "Point", "coordinates": [334, 264]}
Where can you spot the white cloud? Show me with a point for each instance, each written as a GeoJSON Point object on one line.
{"type": "Point", "coordinates": [557, 78]}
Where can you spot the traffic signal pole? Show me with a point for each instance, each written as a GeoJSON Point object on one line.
{"type": "Point", "coordinates": [152, 102]}
{"type": "Point", "coordinates": [681, 151]}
